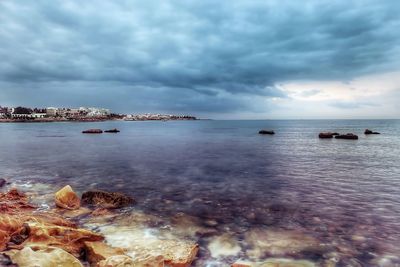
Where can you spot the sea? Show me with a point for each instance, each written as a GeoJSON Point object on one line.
{"type": "Point", "coordinates": [343, 195]}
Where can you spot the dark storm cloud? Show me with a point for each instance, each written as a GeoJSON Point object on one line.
{"type": "Point", "coordinates": [189, 55]}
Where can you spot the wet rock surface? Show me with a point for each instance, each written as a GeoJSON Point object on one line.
{"type": "Point", "coordinates": [105, 199]}
{"type": "Point", "coordinates": [66, 198]}
{"type": "Point", "coordinates": [92, 131]}
{"type": "Point", "coordinates": [2, 182]}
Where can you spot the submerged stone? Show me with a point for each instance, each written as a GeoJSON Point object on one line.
{"type": "Point", "coordinates": [98, 251]}
{"type": "Point", "coordinates": [265, 242]}
{"type": "Point", "coordinates": [275, 263]}
{"type": "Point", "coordinates": [105, 199]}
{"type": "Point", "coordinates": [126, 261]}
{"type": "Point", "coordinates": [140, 243]}
{"type": "Point", "coordinates": [224, 245]}
{"type": "Point", "coordinates": [43, 257]}
{"type": "Point", "coordinates": [2, 182]}
{"type": "Point", "coordinates": [67, 199]}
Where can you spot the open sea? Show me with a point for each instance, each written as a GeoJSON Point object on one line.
{"type": "Point", "coordinates": [231, 181]}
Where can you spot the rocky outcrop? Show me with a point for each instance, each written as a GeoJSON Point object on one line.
{"type": "Point", "coordinates": [106, 199]}
{"type": "Point", "coordinates": [93, 131]}
{"type": "Point", "coordinates": [67, 199]}
{"type": "Point", "coordinates": [43, 257]}
{"type": "Point", "coordinates": [266, 132]}
{"type": "Point", "coordinates": [67, 238]}
{"type": "Point", "coordinates": [349, 136]}
{"type": "Point", "coordinates": [367, 131]}
{"type": "Point", "coordinates": [115, 130]}
{"type": "Point", "coordinates": [14, 202]}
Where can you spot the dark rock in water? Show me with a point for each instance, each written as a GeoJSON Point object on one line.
{"type": "Point", "coordinates": [266, 132]}
{"type": "Point", "coordinates": [347, 136]}
{"type": "Point", "coordinates": [93, 131]}
{"type": "Point", "coordinates": [2, 182]}
{"type": "Point", "coordinates": [112, 131]}
{"type": "Point", "coordinates": [106, 199]}
{"type": "Point", "coordinates": [325, 135]}
{"type": "Point", "coordinates": [335, 133]}
{"type": "Point", "coordinates": [367, 131]}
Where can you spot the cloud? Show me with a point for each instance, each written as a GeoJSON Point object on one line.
{"type": "Point", "coordinates": [193, 56]}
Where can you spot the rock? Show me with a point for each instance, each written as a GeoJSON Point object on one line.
{"type": "Point", "coordinates": [43, 257]}
{"type": "Point", "coordinates": [99, 251]}
{"type": "Point", "coordinates": [325, 135]}
{"type": "Point", "coordinates": [266, 132]}
{"type": "Point", "coordinates": [112, 131]}
{"type": "Point", "coordinates": [93, 131]}
{"type": "Point", "coordinates": [9, 226]}
{"type": "Point", "coordinates": [14, 202]}
{"type": "Point", "coordinates": [139, 243]}
{"type": "Point", "coordinates": [2, 182]}
{"type": "Point", "coordinates": [106, 199]}
{"type": "Point", "coordinates": [276, 242]}
{"type": "Point", "coordinates": [347, 136]}
{"type": "Point", "coordinates": [82, 211]}
{"type": "Point", "coordinates": [67, 238]}
{"type": "Point", "coordinates": [370, 132]}
{"type": "Point", "coordinates": [224, 245]}
{"type": "Point", "coordinates": [126, 261]}
{"type": "Point", "coordinates": [67, 199]}
{"type": "Point", "coordinates": [275, 263]}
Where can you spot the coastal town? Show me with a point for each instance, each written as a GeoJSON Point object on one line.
{"type": "Point", "coordinates": [54, 114]}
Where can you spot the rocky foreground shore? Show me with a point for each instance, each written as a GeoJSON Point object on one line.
{"type": "Point", "coordinates": [102, 229]}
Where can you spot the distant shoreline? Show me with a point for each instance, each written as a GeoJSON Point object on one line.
{"type": "Point", "coordinates": [81, 120]}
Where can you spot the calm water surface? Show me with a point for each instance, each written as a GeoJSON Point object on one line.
{"type": "Point", "coordinates": [345, 193]}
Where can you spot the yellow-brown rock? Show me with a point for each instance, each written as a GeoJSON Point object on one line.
{"type": "Point", "coordinates": [98, 251]}
{"type": "Point", "coordinates": [68, 238]}
{"type": "Point", "coordinates": [44, 257]}
{"type": "Point", "coordinates": [10, 225]}
{"type": "Point", "coordinates": [67, 199]}
{"type": "Point", "coordinates": [182, 257]}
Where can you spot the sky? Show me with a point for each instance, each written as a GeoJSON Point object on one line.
{"type": "Point", "coordinates": [237, 59]}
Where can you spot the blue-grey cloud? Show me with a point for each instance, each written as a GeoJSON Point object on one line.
{"type": "Point", "coordinates": [188, 55]}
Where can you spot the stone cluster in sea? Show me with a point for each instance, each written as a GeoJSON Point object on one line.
{"type": "Point", "coordinates": [100, 229]}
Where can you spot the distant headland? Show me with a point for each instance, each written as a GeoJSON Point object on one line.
{"type": "Point", "coordinates": [82, 114]}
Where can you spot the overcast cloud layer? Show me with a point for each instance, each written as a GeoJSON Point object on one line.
{"type": "Point", "coordinates": [208, 58]}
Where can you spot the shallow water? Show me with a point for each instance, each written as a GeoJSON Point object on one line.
{"type": "Point", "coordinates": [343, 193]}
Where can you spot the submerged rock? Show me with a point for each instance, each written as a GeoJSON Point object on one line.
{"type": "Point", "coordinates": [2, 182]}
{"type": "Point", "coordinates": [99, 251]}
{"type": "Point", "coordinates": [43, 257]}
{"type": "Point", "coordinates": [266, 132]}
{"type": "Point", "coordinates": [139, 243]}
{"type": "Point", "coordinates": [93, 131]}
{"type": "Point", "coordinates": [367, 131]}
{"type": "Point", "coordinates": [264, 242]}
{"type": "Point", "coordinates": [106, 199]}
{"type": "Point", "coordinates": [275, 263]}
{"type": "Point", "coordinates": [223, 246]}
{"type": "Point", "coordinates": [126, 261]}
{"type": "Point", "coordinates": [347, 136]}
{"type": "Point", "coordinates": [67, 199]}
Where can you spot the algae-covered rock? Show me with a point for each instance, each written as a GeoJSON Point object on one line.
{"type": "Point", "coordinates": [104, 199]}
{"type": "Point", "coordinates": [44, 257]}
{"type": "Point", "coordinates": [67, 199]}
